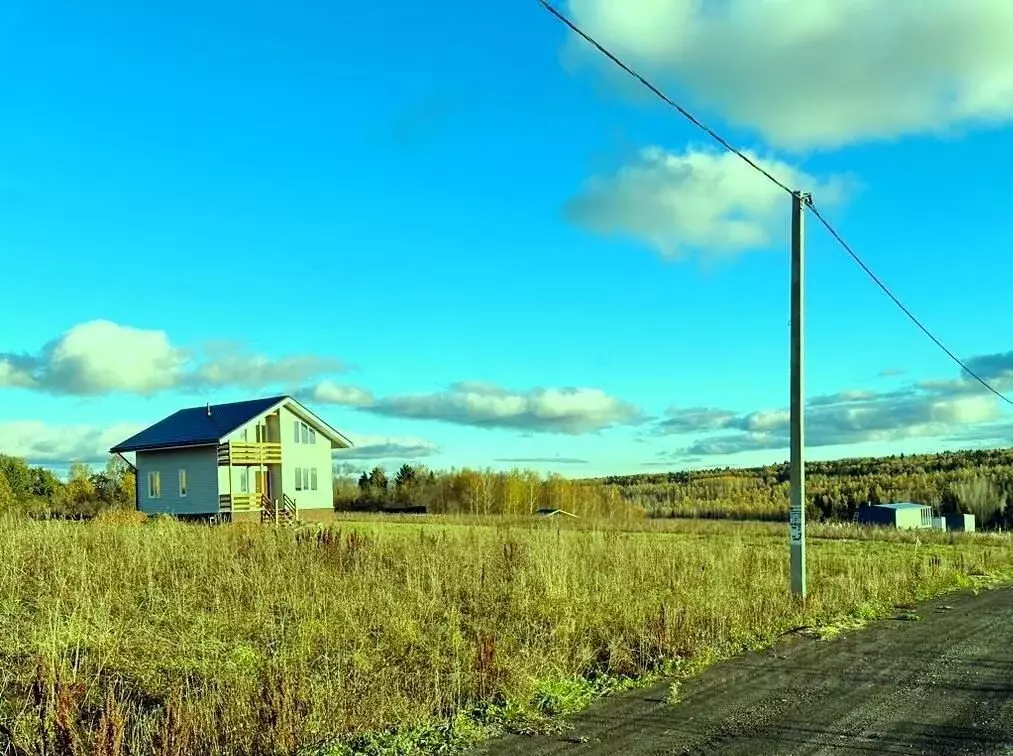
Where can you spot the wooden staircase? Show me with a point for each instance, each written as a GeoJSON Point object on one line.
{"type": "Point", "coordinates": [275, 512]}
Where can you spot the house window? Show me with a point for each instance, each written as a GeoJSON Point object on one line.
{"type": "Point", "coordinates": [261, 433]}
{"type": "Point", "coordinates": [313, 479]}
{"type": "Point", "coordinates": [298, 479]}
{"type": "Point", "coordinates": [182, 482]}
{"type": "Point", "coordinates": [244, 480]}
{"type": "Point", "coordinates": [304, 434]}
{"type": "Point", "coordinates": [245, 435]}
{"type": "Point", "coordinates": [154, 484]}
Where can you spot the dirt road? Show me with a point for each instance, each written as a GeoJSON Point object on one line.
{"type": "Point", "coordinates": [939, 685]}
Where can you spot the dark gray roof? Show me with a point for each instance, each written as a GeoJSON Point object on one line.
{"type": "Point", "coordinates": [195, 427]}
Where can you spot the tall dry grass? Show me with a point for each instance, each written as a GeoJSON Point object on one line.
{"type": "Point", "coordinates": [170, 639]}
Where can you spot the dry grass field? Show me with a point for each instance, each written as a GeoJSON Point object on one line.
{"type": "Point", "coordinates": [400, 635]}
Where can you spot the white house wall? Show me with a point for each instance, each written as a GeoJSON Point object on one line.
{"type": "Point", "coordinates": [299, 455]}
{"type": "Point", "coordinates": [201, 465]}
{"type": "Point", "coordinates": [250, 430]}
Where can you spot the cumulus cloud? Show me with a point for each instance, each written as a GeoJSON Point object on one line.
{"type": "Point", "coordinates": [695, 201]}
{"type": "Point", "coordinates": [551, 410]}
{"type": "Point", "coordinates": [926, 409]}
{"type": "Point", "coordinates": [101, 357]}
{"type": "Point", "coordinates": [15, 371]}
{"type": "Point", "coordinates": [994, 369]}
{"type": "Point", "coordinates": [556, 410]}
{"type": "Point", "coordinates": [997, 369]}
{"type": "Point", "coordinates": [693, 419]}
{"type": "Point", "coordinates": [386, 447]}
{"type": "Point", "coordinates": [328, 392]}
{"type": "Point", "coordinates": [232, 365]}
{"type": "Point", "coordinates": [819, 73]}
{"type": "Point", "coordinates": [990, 434]}
{"type": "Point", "coordinates": [96, 358]}
{"type": "Point", "coordinates": [44, 444]}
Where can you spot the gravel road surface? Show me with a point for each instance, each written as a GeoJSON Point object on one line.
{"type": "Point", "coordinates": [942, 684]}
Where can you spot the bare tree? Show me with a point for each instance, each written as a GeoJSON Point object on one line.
{"type": "Point", "coordinates": [981, 497]}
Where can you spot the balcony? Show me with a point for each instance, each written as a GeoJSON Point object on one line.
{"type": "Point", "coordinates": [249, 453]}
{"type": "Point", "coordinates": [240, 502]}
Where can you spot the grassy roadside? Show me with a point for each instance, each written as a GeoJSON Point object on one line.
{"type": "Point", "coordinates": [168, 639]}
{"type": "Point", "coordinates": [554, 699]}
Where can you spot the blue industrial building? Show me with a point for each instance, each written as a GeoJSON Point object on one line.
{"type": "Point", "coordinates": [901, 515]}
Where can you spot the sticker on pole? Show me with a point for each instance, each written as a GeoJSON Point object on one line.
{"type": "Point", "coordinates": [795, 526]}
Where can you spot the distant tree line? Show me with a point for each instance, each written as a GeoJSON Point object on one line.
{"type": "Point", "coordinates": [37, 492]}
{"type": "Point", "coordinates": [484, 492]}
{"type": "Point", "coordinates": [979, 482]}
{"type": "Point", "coordinates": [976, 481]}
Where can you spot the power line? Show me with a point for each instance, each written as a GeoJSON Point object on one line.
{"type": "Point", "coordinates": [905, 310]}
{"type": "Point", "coordinates": [752, 163]}
{"type": "Point", "coordinates": [665, 98]}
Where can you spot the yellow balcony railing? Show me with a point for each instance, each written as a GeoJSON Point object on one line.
{"type": "Point", "coordinates": [239, 502]}
{"type": "Point", "coordinates": [249, 453]}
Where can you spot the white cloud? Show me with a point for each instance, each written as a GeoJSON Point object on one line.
{"type": "Point", "coordinates": [328, 392]}
{"type": "Point", "coordinates": [552, 410]}
{"type": "Point", "coordinates": [819, 73]}
{"type": "Point", "coordinates": [690, 419]}
{"type": "Point", "coordinates": [101, 357]}
{"type": "Point", "coordinates": [15, 373]}
{"type": "Point", "coordinates": [556, 410]}
{"type": "Point", "coordinates": [698, 200]}
{"type": "Point", "coordinates": [386, 448]}
{"type": "Point", "coordinates": [98, 357]}
{"type": "Point", "coordinates": [236, 367]}
{"type": "Point", "coordinates": [44, 444]}
{"type": "Point", "coordinates": [927, 409]}
{"type": "Point", "coordinates": [995, 369]}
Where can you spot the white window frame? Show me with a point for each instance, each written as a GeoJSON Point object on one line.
{"type": "Point", "coordinates": [154, 484]}
{"type": "Point", "coordinates": [298, 479]}
{"type": "Point", "coordinates": [244, 480]}
{"type": "Point", "coordinates": [182, 482]}
{"type": "Point", "coordinates": [296, 426]}
{"type": "Point", "coordinates": [313, 478]}
{"type": "Point", "coordinates": [313, 435]}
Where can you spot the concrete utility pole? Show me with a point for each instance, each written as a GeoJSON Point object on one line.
{"type": "Point", "coordinates": [797, 464]}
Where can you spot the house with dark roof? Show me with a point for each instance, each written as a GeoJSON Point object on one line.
{"type": "Point", "coordinates": [264, 459]}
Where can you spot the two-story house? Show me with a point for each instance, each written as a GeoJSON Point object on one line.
{"type": "Point", "coordinates": [264, 459]}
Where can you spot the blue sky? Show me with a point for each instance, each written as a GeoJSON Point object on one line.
{"type": "Point", "coordinates": [465, 240]}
